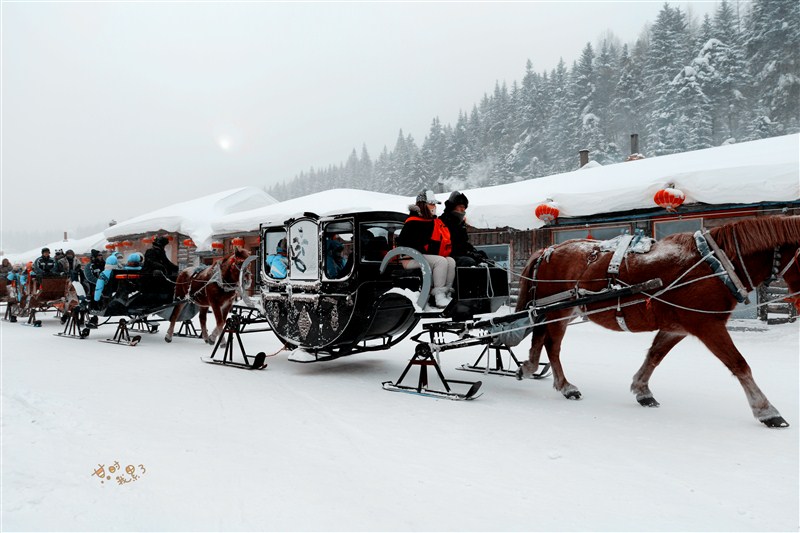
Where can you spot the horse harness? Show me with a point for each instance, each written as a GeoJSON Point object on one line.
{"type": "Point", "coordinates": [216, 278]}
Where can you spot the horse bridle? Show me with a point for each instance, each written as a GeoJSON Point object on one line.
{"type": "Point", "coordinates": [795, 260]}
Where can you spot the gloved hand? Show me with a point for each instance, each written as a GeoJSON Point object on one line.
{"type": "Point", "coordinates": [479, 256]}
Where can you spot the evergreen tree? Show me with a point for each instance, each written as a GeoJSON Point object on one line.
{"type": "Point", "coordinates": [773, 47]}
{"type": "Point", "coordinates": [666, 57]}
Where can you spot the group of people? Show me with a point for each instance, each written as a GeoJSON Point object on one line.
{"type": "Point", "coordinates": [443, 241]}
{"type": "Point", "coordinates": [97, 271]}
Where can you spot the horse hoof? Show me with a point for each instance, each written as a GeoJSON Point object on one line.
{"type": "Point", "coordinates": [168, 338]}
{"type": "Point", "coordinates": [209, 341]}
{"type": "Point", "coordinates": [649, 401]}
{"type": "Point", "coordinates": [572, 395]}
{"type": "Point", "coordinates": [775, 422]}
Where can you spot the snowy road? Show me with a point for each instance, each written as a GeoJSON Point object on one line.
{"type": "Point", "coordinates": [321, 446]}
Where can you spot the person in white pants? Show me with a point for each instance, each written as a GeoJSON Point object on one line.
{"type": "Point", "coordinates": [427, 234]}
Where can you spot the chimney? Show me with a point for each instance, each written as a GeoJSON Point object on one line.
{"type": "Point", "coordinates": [634, 143]}
{"type": "Point", "coordinates": [65, 235]}
{"type": "Point", "coordinates": [584, 155]}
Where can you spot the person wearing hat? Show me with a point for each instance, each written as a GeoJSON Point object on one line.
{"type": "Point", "coordinates": [427, 234]}
{"type": "Point", "coordinates": [97, 263]}
{"type": "Point", "coordinates": [69, 265]}
{"type": "Point", "coordinates": [134, 261]}
{"type": "Point", "coordinates": [453, 217]}
{"type": "Point", "coordinates": [155, 259]}
{"type": "Point", "coordinates": [44, 264]}
{"type": "Point", "coordinates": [277, 264]}
{"type": "Point", "coordinates": [112, 263]}
{"type": "Point", "coordinates": [17, 285]}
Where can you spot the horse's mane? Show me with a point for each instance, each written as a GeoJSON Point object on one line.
{"type": "Point", "coordinates": [757, 234]}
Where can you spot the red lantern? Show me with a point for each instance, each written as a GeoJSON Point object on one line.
{"type": "Point", "coordinates": [669, 198]}
{"type": "Point", "coordinates": [216, 245]}
{"type": "Point", "coordinates": [238, 241]}
{"type": "Point", "coordinates": [85, 260]}
{"type": "Point", "coordinates": [126, 244]}
{"type": "Point", "coordinates": [111, 246]}
{"type": "Point", "coordinates": [189, 243]}
{"type": "Point", "coordinates": [547, 211]}
{"type": "Point", "coordinates": [148, 240]}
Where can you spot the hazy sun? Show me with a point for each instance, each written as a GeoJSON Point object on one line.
{"type": "Point", "coordinates": [224, 143]}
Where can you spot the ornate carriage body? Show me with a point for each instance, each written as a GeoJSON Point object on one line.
{"type": "Point", "coordinates": [346, 290]}
{"type": "Point", "coordinates": [335, 299]}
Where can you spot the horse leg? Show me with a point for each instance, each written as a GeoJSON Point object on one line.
{"type": "Point", "coordinates": [220, 314]}
{"type": "Point", "coordinates": [203, 330]}
{"type": "Point", "coordinates": [552, 343]}
{"type": "Point", "coordinates": [717, 339]}
{"type": "Point", "coordinates": [529, 368]}
{"type": "Point", "coordinates": [176, 311]}
{"type": "Point", "coordinates": [662, 344]}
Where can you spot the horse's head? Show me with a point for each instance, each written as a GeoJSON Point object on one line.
{"type": "Point", "coordinates": [232, 265]}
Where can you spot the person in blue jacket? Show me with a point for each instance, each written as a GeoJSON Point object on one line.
{"type": "Point", "coordinates": [134, 261]}
{"type": "Point", "coordinates": [277, 264]}
{"type": "Point", "coordinates": [18, 279]}
{"type": "Point", "coordinates": [334, 262]}
{"type": "Point", "coordinates": [105, 276]}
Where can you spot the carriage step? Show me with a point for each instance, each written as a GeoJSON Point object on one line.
{"type": "Point", "coordinates": [471, 394]}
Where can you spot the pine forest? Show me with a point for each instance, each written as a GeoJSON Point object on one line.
{"type": "Point", "coordinates": [683, 85]}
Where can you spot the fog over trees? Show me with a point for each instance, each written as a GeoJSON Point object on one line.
{"type": "Point", "coordinates": [732, 77]}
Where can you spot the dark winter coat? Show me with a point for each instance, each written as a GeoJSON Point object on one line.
{"type": "Point", "coordinates": [70, 266]}
{"type": "Point", "coordinates": [417, 233]}
{"type": "Point", "coordinates": [458, 234]}
{"type": "Point", "coordinates": [155, 259]}
{"type": "Point", "coordinates": [45, 265]}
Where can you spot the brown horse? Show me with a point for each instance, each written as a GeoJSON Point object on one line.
{"type": "Point", "coordinates": [698, 304]}
{"type": "Point", "coordinates": [214, 287]}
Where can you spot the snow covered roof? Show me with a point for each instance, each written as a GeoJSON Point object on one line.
{"type": "Point", "coordinates": [325, 203]}
{"type": "Point", "coordinates": [195, 217]}
{"type": "Point", "coordinates": [759, 171]}
{"type": "Point", "coordinates": [80, 246]}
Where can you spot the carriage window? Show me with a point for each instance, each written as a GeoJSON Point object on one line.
{"type": "Point", "coordinates": [377, 238]}
{"type": "Point", "coordinates": [303, 245]}
{"type": "Point", "coordinates": [668, 227]}
{"type": "Point", "coordinates": [498, 253]}
{"type": "Point", "coordinates": [603, 233]}
{"type": "Point", "coordinates": [337, 239]}
{"type": "Point", "coordinates": [276, 261]}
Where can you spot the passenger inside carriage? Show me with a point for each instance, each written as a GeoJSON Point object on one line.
{"type": "Point", "coordinates": [277, 264]}
{"type": "Point", "coordinates": [335, 261]}
{"type": "Point", "coordinates": [338, 249]}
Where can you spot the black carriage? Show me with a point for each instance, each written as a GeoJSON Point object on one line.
{"type": "Point", "coordinates": [346, 290]}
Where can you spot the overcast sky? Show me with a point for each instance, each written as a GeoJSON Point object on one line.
{"type": "Point", "coordinates": [110, 110]}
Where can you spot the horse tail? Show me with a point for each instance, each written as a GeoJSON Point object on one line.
{"type": "Point", "coordinates": [527, 284]}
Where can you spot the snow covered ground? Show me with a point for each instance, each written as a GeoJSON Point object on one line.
{"type": "Point", "coordinates": [323, 447]}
